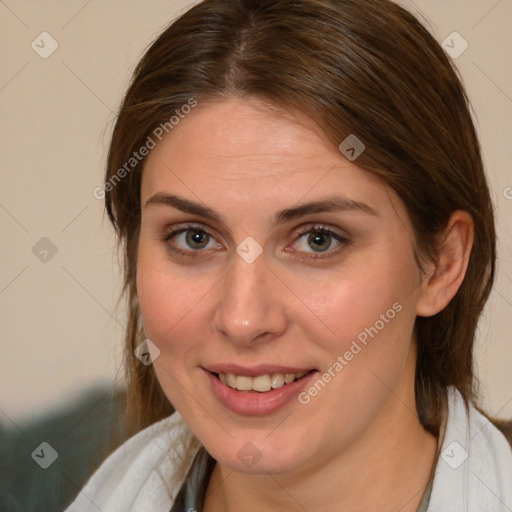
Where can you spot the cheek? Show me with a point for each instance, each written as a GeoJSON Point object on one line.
{"type": "Point", "coordinates": [170, 307]}
{"type": "Point", "coordinates": [167, 300]}
{"type": "Point", "coordinates": [370, 298]}
{"type": "Point", "coordinates": [370, 317]}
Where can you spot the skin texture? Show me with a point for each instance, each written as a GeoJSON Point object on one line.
{"type": "Point", "coordinates": [357, 444]}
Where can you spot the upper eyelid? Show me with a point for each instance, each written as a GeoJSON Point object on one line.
{"type": "Point", "coordinates": [174, 230]}
{"type": "Point", "coordinates": [301, 230]}
{"type": "Point", "coordinates": [319, 227]}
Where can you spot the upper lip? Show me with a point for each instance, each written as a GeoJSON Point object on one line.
{"type": "Point", "coordinates": [255, 371]}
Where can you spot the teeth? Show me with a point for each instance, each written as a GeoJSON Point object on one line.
{"type": "Point", "coordinates": [244, 383]}
{"type": "Point", "coordinates": [277, 380]}
{"type": "Point", "coordinates": [261, 383]}
{"type": "Point", "coordinates": [231, 380]}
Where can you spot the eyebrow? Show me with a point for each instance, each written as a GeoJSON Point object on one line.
{"type": "Point", "coordinates": [329, 204]}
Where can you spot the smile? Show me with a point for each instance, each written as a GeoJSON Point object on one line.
{"type": "Point", "coordinates": [260, 383]}
{"type": "Point", "coordinates": [259, 390]}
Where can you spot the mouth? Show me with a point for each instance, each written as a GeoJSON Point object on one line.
{"type": "Point", "coordinates": [259, 390]}
{"type": "Point", "coordinates": [260, 383]}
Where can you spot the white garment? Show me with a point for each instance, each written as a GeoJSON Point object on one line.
{"type": "Point", "coordinates": [474, 472]}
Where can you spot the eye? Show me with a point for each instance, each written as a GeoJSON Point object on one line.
{"type": "Point", "coordinates": [319, 240]}
{"type": "Point", "coordinates": [192, 239]}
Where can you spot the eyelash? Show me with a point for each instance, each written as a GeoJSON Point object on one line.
{"type": "Point", "coordinates": [315, 228]}
{"type": "Point", "coordinates": [187, 227]}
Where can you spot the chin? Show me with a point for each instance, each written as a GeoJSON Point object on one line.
{"type": "Point", "coordinates": [258, 457]}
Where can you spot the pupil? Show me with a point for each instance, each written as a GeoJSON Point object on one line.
{"type": "Point", "coordinates": [319, 241]}
{"type": "Point", "coordinates": [197, 239]}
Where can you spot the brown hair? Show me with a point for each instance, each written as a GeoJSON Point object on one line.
{"type": "Point", "coordinates": [364, 67]}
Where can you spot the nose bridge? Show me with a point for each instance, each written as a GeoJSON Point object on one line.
{"type": "Point", "coordinates": [249, 305]}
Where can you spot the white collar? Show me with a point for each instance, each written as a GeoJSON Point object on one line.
{"type": "Point", "coordinates": [474, 471]}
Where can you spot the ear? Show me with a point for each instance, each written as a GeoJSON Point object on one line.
{"type": "Point", "coordinates": [445, 276]}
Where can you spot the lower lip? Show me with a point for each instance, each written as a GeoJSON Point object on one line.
{"type": "Point", "coordinates": [255, 403]}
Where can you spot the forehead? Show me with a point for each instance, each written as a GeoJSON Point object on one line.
{"type": "Point", "coordinates": [242, 129]}
{"type": "Point", "coordinates": [241, 154]}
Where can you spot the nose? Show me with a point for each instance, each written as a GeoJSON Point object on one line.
{"type": "Point", "coordinates": [250, 308]}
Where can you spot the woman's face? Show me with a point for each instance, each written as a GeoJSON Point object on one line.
{"type": "Point", "coordinates": [266, 255]}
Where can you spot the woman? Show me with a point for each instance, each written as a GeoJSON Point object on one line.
{"type": "Point", "coordinates": [309, 243]}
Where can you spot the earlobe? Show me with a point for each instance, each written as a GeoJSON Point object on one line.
{"type": "Point", "coordinates": [442, 282]}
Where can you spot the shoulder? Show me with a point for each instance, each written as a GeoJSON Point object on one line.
{"type": "Point", "coordinates": [505, 426]}
{"type": "Point", "coordinates": [143, 474]}
{"type": "Point", "coordinates": [474, 470]}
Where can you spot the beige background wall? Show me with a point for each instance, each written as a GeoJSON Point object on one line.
{"type": "Point", "coordinates": [60, 331]}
